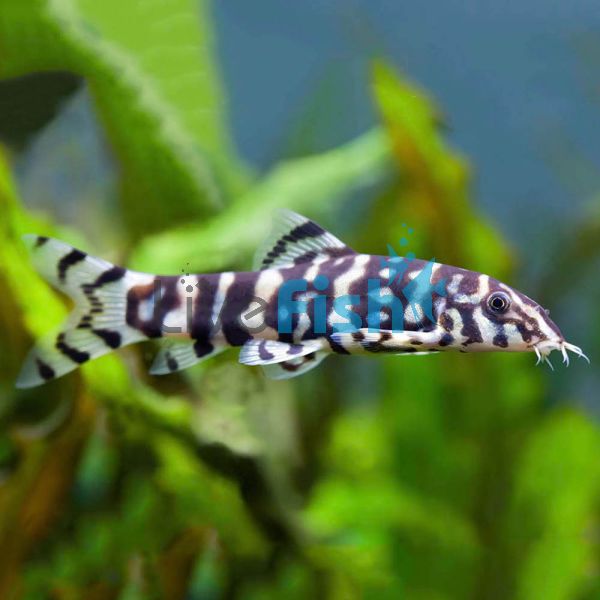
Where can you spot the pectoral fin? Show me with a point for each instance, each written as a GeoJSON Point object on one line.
{"type": "Point", "coordinates": [269, 352]}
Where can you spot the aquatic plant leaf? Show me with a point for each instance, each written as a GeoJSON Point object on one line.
{"type": "Point", "coordinates": [434, 179]}
{"type": "Point", "coordinates": [553, 508]}
{"type": "Point", "coordinates": [312, 185]}
{"type": "Point", "coordinates": [155, 86]}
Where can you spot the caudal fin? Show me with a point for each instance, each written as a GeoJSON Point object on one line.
{"type": "Point", "coordinates": [97, 324]}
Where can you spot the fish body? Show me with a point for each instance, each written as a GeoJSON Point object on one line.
{"type": "Point", "coordinates": [310, 295]}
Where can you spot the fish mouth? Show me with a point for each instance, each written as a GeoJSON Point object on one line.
{"type": "Point", "coordinates": [543, 349]}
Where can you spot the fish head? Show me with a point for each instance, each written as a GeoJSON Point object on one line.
{"type": "Point", "coordinates": [481, 313]}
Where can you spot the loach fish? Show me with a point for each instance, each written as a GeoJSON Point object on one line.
{"type": "Point", "coordinates": [310, 295]}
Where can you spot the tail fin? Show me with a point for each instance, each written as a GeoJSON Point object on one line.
{"type": "Point", "coordinates": [97, 324]}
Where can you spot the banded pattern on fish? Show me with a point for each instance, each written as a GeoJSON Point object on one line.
{"type": "Point", "coordinates": [310, 295]}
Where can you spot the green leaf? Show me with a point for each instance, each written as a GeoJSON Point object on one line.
{"type": "Point", "coordinates": [311, 185]}
{"type": "Point", "coordinates": [156, 89]}
{"type": "Point", "coordinates": [553, 508]}
{"type": "Point", "coordinates": [434, 178]}
{"type": "Point", "coordinates": [26, 302]}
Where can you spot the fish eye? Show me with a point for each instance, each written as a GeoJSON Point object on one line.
{"type": "Point", "coordinates": [498, 302]}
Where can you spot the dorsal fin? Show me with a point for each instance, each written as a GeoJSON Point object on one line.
{"type": "Point", "coordinates": [295, 239]}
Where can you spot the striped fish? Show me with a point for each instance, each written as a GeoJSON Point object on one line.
{"type": "Point", "coordinates": [202, 315]}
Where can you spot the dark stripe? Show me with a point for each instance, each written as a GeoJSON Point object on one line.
{"type": "Point", "coordinates": [237, 298]}
{"type": "Point", "coordinates": [447, 339]}
{"type": "Point", "coordinates": [306, 230]}
{"type": "Point", "coordinates": [110, 338]}
{"type": "Point", "coordinates": [525, 332]}
{"type": "Point", "coordinates": [294, 366]}
{"type": "Point", "coordinates": [85, 323]}
{"type": "Point", "coordinates": [202, 348]}
{"type": "Point", "coordinates": [336, 252]}
{"type": "Point", "coordinates": [46, 371]}
{"type": "Point", "coordinates": [171, 362]}
{"type": "Point", "coordinates": [163, 291]}
{"type": "Point", "coordinates": [469, 284]}
{"type": "Point", "coordinates": [335, 347]}
{"type": "Point", "coordinates": [527, 327]}
{"type": "Point", "coordinates": [112, 274]}
{"type": "Point", "coordinates": [202, 326]}
{"type": "Point", "coordinates": [290, 366]}
{"type": "Point", "coordinates": [295, 349]}
{"type": "Point", "coordinates": [372, 346]}
{"type": "Point", "coordinates": [500, 340]}
{"type": "Point", "coordinates": [108, 276]}
{"type": "Point", "coordinates": [72, 353]}
{"type": "Point", "coordinates": [306, 257]}
{"type": "Point", "coordinates": [41, 240]}
{"type": "Point", "coordinates": [270, 313]}
{"type": "Point", "coordinates": [68, 261]}
{"type": "Point", "coordinates": [470, 330]}
{"type": "Point", "coordinates": [300, 232]}
{"type": "Point", "coordinates": [263, 353]}
{"type": "Point", "coordinates": [358, 287]}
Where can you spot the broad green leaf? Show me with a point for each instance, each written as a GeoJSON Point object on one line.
{"type": "Point", "coordinates": [311, 185]}
{"type": "Point", "coordinates": [155, 86]}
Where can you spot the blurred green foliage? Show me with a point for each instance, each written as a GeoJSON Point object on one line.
{"type": "Point", "coordinates": [422, 478]}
